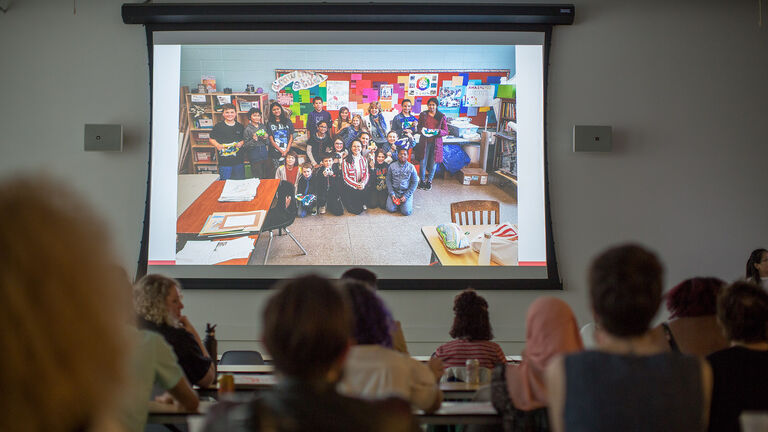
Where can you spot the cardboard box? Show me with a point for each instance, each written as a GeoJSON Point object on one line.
{"type": "Point", "coordinates": [473, 177]}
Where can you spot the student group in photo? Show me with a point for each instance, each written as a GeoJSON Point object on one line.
{"type": "Point", "coordinates": [352, 163]}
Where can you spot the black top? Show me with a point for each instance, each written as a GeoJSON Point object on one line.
{"type": "Point", "coordinates": [294, 406]}
{"type": "Point", "coordinates": [740, 384]}
{"type": "Point", "coordinates": [614, 392]}
{"type": "Point", "coordinates": [225, 134]}
{"type": "Point", "coordinates": [670, 337]}
{"type": "Point", "coordinates": [320, 146]}
{"type": "Point", "coordinates": [513, 419]}
{"type": "Point", "coordinates": [190, 357]}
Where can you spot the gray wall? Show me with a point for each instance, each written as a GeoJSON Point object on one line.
{"type": "Point", "coordinates": [683, 85]}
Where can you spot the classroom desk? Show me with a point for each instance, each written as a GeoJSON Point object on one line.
{"type": "Point", "coordinates": [441, 255]}
{"type": "Point", "coordinates": [465, 413]}
{"type": "Point", "coordinates": [191, 221]}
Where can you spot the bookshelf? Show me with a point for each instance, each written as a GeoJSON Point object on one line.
{"type": "Point", "coordinates": [203, 111]}
{"type": "Point", "coordinates": [505, 152]}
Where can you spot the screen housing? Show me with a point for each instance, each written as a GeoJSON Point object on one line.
{"type": "Point", "coordinates": [463, 18]}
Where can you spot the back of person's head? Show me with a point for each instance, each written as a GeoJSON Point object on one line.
{"type": "Point", "coordinates": [625, 289]}
{"type": "Point", "coordinates": [372, 322]}
{"type": "Point", "coordinates": [362, 275]}
{"type": "Point", "coordinates": [755, 258]}
{"type": "Point", "coordinates": [307, 327]}
{"type": "Point", "coordinates": [471, 319]}
{"type": "Point", "coordinates": [62, 314]}
{"type": "Point", "coordinates": [149, 298]}
{"type": "Point", "coordinates": [742, 310]}
{"type": "Point", "coordinates": [694, 297]}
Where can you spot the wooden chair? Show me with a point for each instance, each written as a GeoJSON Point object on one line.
{"type": "Point", "coordinates": [465, 212]}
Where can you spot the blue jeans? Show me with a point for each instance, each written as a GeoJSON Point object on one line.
{"type": "Point", "coordinates": [235, 172]}
{"type": "Point", "coordinates": [406, 208]}
{"type": "Point", "coordinates": [428, 163]}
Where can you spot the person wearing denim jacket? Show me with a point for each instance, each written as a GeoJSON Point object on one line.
{"type": "Point", "coordinates": [402, 180]}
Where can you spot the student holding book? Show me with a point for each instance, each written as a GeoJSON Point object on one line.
{"type": "Point", "coordinates": [256, 142]}
{"type": "Point", "coordinates": [432, 128]}
{"type": "Point", "coordinates": [280, 129]}
{"type": "Point", "coordinates": [227, 138]}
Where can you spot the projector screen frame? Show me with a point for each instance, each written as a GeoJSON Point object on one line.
{"type": "Point", "coordinates": [330, 21]}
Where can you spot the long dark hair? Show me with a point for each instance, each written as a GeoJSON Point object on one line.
{"type": "Point", "coordinates": [471, 321]}
{"type": "Point", "coordinates": [351, 159]}
{"type": "Point", "coordinates": [283, 115]}
{"type": "Point", "coordinates": [754, 258]}
{"type": "Point", "coordinates": [372, 322]}
{"type": "Point", "coordinates": [338, 119]}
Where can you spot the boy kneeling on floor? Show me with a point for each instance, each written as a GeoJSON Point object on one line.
{"type": "Point", "coordinates": [402, 180]}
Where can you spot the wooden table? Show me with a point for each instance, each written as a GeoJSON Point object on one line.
{"type": "Point", "coordinates": [481, 413]}
{"type": "Point", "coordinates": [191, 222]}
{"type": "Point", "coordinates": [441, 254]}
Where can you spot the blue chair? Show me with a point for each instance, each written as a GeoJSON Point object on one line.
{"type": "Point", "coordinates": [241, 358]}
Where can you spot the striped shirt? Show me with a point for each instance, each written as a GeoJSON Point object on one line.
{"type": "Point", "coordinates": [456, 353]}
{"type": "Point", "coordinates": [355, 173]}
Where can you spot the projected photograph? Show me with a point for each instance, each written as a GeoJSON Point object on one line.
{"type": "Point", "coordinates": [345, 154]}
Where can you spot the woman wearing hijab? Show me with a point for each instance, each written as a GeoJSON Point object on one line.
{"type": "Point", "coordinates": [519, 391]}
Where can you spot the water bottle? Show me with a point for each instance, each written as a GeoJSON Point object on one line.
{"type": "Point", "coordinates": [210, 343]}
{"type": "Point", "coordinates": [473, 371]}
{"type": "Point", "coordinates": [485, 250]}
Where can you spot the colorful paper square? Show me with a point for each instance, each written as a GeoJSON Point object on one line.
{"type": "Point", "coordinates": [356, 77]}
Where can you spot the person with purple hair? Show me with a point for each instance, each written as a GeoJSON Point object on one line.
{"type": "Point", "coordinates": [373, 370]}
{"type": "Point", "coordinates": [692, 326]}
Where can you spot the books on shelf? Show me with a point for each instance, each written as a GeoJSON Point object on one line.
{"type": "Point", "coordinates": [233, 223]}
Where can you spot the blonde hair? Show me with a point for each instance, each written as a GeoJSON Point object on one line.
{"type": "Point", "coordinates": [63, 313]}
{"type": "Point", "coordinates": [374, 104]}
{"type": "Point", "coordinates": [363, 127]}
{"type": "Point", "coordinates": [149, 296]}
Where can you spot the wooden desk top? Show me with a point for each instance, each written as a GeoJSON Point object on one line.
{"type": "Point", "coordinates": [194, 217]}
{"type": "Point", "coordinates": [448, 258]}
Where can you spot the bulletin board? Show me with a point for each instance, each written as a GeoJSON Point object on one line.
{"type": "Point", "coordinates": [466, 93]}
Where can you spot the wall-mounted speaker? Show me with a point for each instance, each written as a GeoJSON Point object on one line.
{"type": "Point", "coordinates": [592, 138]}
{"type": "Point", "coordinates": [103, 137]}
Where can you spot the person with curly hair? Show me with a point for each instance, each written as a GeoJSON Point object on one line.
{"type": "Point", "coordinates": [373, 370]}
{"type": "Point", "coordinates": [757, 267]}
{"type": "Point", "coordinates": [739, 374]}
{"type": "Point", "coordinates": [157, 300]}
{"type": "Point", "coordinates": [471, 333]}
{"type": "Point", "coordinates": [692, 327]}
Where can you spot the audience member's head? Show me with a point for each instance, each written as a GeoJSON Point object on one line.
{"type": "Point", "coordinates": [742, 310]}
{"type": "Point", "coordinates": [362, 275]}
{"type": "Point", "coordinates": [625, 289]}
{"type": "Point", "coordinates": [372, 320]}
{"type": "Point", "coordinates": [550, 330]}
{"type": "Point", "coordinates": [62, 315]}
{"type": "Point", "coordinates": [471, 321]}
{"type": "Point", "coordinates": [157, 299]}
{"type": "Point", "coordinates": [694, 297]}
{"type": "Point", "coordinates": [307, 328]}
{"type": "Point", "coordinates": [757, 265]}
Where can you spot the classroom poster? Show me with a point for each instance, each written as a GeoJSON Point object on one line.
{"type": "Point", "coordinates": [385, 91]}
{"type": "Point", "coordinates": [421, 84]}
{"type": "Point", "coordinates": [337, 94]}
{"type": "Point", "coordinates": [450, 97]}
{"type": "Point", "coordinates": [285, 99]}
{"type": "Point", "coordinates": [479, 95]}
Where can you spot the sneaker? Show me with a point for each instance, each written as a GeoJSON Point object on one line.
{"type": "Point", "coordinates": [314, 211]}
{"type": "Point", "coordinates": [322, 210]}
{"type": "Point", "coordinates": [365, 207]}
{"type": "Point", "coordinates": [421, 185]}
{"type": "Point", "coordinates": [427, 185]}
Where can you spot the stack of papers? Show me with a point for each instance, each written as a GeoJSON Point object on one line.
{"type": "Point", "coordinates": [239, 190]}
{"type": "Point", "coordinates": [214, 252]}
{"type": "Point", "coordinates": [233, 223]}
